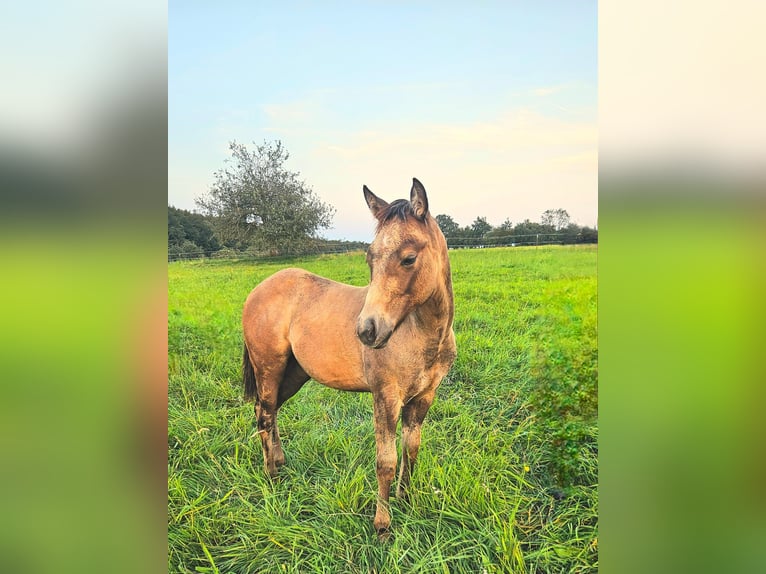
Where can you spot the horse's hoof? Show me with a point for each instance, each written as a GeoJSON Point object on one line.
{"type": "Point", "coordinates": [273, 474]}
{"type": "Point", "coordinates": [384, 534]}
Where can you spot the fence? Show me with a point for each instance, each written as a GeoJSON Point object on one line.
{"type": "Point", "coordinates": [452, 243]}
{"type": "Point", "coordinates": [520, 240]}
{"type": "Point", "coordinates": [256, 256]}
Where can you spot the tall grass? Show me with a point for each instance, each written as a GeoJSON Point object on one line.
{"type": "Point", "coordinates": [507, 471]}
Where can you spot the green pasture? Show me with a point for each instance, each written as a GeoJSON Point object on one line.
{"type": "Point", "coordinates": [506, 479]}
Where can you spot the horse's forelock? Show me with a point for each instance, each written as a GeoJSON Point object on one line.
{"type": "Point", "coordinates": [400, 209]}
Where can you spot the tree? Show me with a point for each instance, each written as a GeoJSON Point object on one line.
{"type": "Point", "coordinates": [588, 235]}
{"type": "Point", "coordinates": [558, 219]}
{"type": "Point", "coordinates": [480, 226]}
{"type": "Point", "coordinates": [506, 225]}
{"type": "Point", "coordinates": [184, 250]}
{"type": "Point", "coordinates": [187, 227]}
{"type": "Point", "coordinates": [448, 225]}
{"type": "Point", "coordinates": [526, 229]}
{"type": "Point", "coordinates": [256, 201]}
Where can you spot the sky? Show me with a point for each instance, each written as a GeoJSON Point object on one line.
{"type": "Point", "coordinates": [491, 105]}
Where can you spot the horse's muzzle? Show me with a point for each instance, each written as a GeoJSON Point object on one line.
{"type": "Point", "coordinates": [373, 333]}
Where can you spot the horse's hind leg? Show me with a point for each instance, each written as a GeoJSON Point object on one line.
{"type": "Point", "coordinates": [269, 377]}
{"type": "Point", "coordinates": [292, 381]}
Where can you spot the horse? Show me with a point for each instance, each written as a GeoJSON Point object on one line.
{"type": "Point", "coordinates": [393, 338]}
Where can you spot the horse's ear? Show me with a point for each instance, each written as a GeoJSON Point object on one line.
{"type": "Point", "coordinates": [419, 199]}
{"type": "Point", "coordinates": [375, 204]}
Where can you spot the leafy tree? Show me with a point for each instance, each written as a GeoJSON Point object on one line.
{"type": "Point", "coordinates": [448, 225]}
{"type": "Point", "coordinates": [257, 202]}
{"type": "Point", "coordinates": [588, 235]}
{"type": "Point", "coordinates": [570, 234]}
{"type": "Point", "coordinates": [480, 226]}
{"type": "Point", "coordinates": [184, 250]}
{"type": "Point", "coordinates": [187, 227]}
{"type": "Point", "coordinates": [499, 233]}
{"type": "Point", "coordinates": [557, 219]}
{"type": "Point", "coordinates": [526, 229]}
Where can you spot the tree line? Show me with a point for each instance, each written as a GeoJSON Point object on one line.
{"type": "Point", "coordinates": [555, 226]}
{"type": "Point", "coordinates": [192, 235]}
{"type": "Point", "coordinates": [258, 207]}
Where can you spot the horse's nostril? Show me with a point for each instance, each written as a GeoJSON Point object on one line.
{"type": "Point", "coordinates": [367, 332]}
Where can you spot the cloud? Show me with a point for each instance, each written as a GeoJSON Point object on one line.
{"type": "Point", "coordinates": [516, 166]}
{"type": "Point", "coordinates": [547, 91]}
{"type": "Point", "coordinates": [515, 163]}
{"type": "Point", "coordinates": [291, 112]}
{"type": "Point", "coordinates": [514, 137]}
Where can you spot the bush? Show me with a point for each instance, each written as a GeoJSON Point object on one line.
{"type": "Point", "coordinates": [565, 403]}
{"type": "Point", "coordinates": [184, 250]}
{"type": "Point", "coordinates": [227, 253]}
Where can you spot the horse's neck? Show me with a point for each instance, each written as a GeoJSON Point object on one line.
{"type": "Point", "coordinates": [439, 309]}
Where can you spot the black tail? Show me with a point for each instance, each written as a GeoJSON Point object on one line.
{"type": "Point", "coordinates": [248, 376]}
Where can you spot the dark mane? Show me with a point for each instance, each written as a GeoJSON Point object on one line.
{"type": "Point", "coordinates": [400, 208]}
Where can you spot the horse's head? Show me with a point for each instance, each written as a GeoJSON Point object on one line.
{"type": "Point", "coordinates": [408, 264]}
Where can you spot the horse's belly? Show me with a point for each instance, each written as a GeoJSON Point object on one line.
{"type": "Point", "coordinates": [330, 359]}
{"type": "Point", "coordinates": [355, 385]}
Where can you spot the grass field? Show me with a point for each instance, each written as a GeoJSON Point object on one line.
{"type": "Point", "coordinates": [506, 479]}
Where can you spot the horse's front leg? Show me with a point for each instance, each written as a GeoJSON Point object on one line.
{"type": "Point", "coordinates": [413, 414]}
{"type": "Point", "coordinates": [386, 408]}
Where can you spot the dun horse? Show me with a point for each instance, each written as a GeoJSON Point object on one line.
{"type": "Point", "coordinates": [392, 338]}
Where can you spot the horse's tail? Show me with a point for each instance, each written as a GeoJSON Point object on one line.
{"type": "Point", "coordinates": [248, 376]}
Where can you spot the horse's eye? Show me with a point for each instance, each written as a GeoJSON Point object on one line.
{"type": "Point", "coordinates": [409, 261]}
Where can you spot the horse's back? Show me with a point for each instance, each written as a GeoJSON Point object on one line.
{"type": "Point", "coordinates": [291, 289]}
